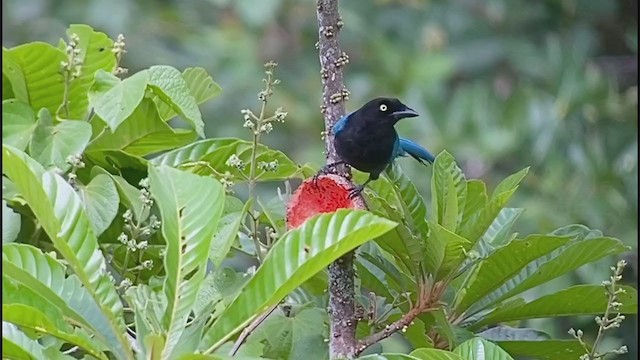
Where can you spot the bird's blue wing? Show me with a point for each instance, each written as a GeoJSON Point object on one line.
{"type": "Point", "coordinates": [340, 124]}
{"type": "Point", "coordinates": [405, 146]}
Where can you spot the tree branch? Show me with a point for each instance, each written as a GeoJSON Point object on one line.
{"type": "Point", "coordinates": [342, 339]}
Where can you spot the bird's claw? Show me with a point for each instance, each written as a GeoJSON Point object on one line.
{"type": "Point", "coordinates": [355, 192]}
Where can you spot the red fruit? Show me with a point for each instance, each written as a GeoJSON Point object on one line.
{"type": "Point", "coordinates": [328, 194]}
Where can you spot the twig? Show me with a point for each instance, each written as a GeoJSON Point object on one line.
{"type": "Point", "coordinates": [249, 329]}
{"type": "Point", "coordinates": [399, 325]}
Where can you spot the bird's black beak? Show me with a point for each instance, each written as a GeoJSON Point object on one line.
{"type": "Point", "coordinates": [405, 113]}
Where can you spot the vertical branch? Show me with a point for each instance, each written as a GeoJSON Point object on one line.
{"type": "Point", "coordinates": [342, 338]}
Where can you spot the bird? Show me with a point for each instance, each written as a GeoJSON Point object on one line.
{"type": "Point", "coordinates": [366, 139]}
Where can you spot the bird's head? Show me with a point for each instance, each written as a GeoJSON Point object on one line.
{"type": "Point", "coordinates": [389, 109]}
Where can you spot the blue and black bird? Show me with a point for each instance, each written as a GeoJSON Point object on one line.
{"type": "Point", "coordinates": [366, 139]}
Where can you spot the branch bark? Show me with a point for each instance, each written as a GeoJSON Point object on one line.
{"type": "Point", "coordinates": [342, 338]}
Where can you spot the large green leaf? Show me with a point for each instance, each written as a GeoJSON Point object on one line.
{"type": "Point", "coordinates": [31, 318]}
{"type": "Point", "coordinates": [95, 54]}
{"type": "Point", "coordinates": [481, 349]}
{"type": "Point", "coordinates": [142, 133]}
{"type": "Point", "coordinates": [39, 64]}
{"type": "Point", "coordinates": [573, 255]}
{"type": "Point", "coordinates": [503, 264]}
{"type": "Point", "coordinates": [18, 123]}
{"type": "Point", "coordinates": [434, 354]}
{"type": "Point", "coordinates": [100, 200]}
{"type": "Point", "coordinates": [296, 257]}
{"type": "Point", "coordinates": [215, 153]}
{"type": "Point", "coordinates": [43, 275]}
{"type": "Point", "coordinates": [114, 100]}
{"type": "Point", "coordinates": [573, 301]}
{"type": "Point", "coordinates": [52, 145]}
{"type": "Point", "coordinates": [59, 211]}
{"type": "Point", "coordinates": [191, 207]}
{"type": "Point", "coordinates": [171, 88]}
{"type": "Point", "coordinates": [17, 345]}
{"type": "Point", "coordinates": [10, 223]}
{"type": "Point", "coordinates": [449, 191]}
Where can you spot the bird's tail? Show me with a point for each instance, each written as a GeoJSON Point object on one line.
{"type": "Point", "coordinates": [416, 151]}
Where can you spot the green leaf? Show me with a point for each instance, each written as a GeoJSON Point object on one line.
{"type": "Point", "coordinates": [477, 225]}
{"type": "Point", "coordinates": [297, 337]}
{"type": "Point", "coordinates": [388, 356]}
{"type": "Point", "coordinates": [100, 200]}
{"type": "Point", "coordinates": [573, 255]}
{"type": "Point", "coordinates": [142, 133]}
{"type": "Point", "coordinates": [10, 223]}
{"type": "Point", "coordinates": [191, 207]}
{"type": "Point", "coordinates": [170, 87]}
{"type": "Point", "coordinates": [95, 54]}
{"type": "Point", "coordinates": [225, 235]}
{"type": "Point", "coordinates": [399, 242]}
{"type": "Point", "coordinates": [13, 78]}
{"type": "Point", "coordinates": [31, 318]}
{"type": "Point", "coordinates": [573, 301]}
{"type": "Point", "coordinates": [475, 201]}
{"type": "Point", "coordinates": [39, 65]}
{"type": "Point", "coordinates": [59, 211]}
{"type": "Point", "coordinates": [43, 275]}
{"type": "Point", "coordinates": [498, 233]}
{"type": "Point", "coordinates": [117, 161]}
{"type": "Point", "coordinates": [296, 257]}
{"type": "Point", "coordinates": [505, 263]}
{"type": "Point", "coordinates": [437, 320]}
{"type": "Point", "coordinates": [114, 100]}
{"type": "Point", "coordinates": [201, 84]}
{"type": "Point", "coordinates": [508, 333]}
{"type": "Point", "coordinates": [481, 349]}
{"type": "Point", "coordinates": [544, 349]}
{"type": "Point", "coordinates": [510, 183]}
{"type": "Point", "coordinates": [449, 191]}
{"type": "Point", "coordinates": [201, 87]}
{"type": "Point", "coordinates": [434, 354]}
{"type": "Point", "coordinates": [454, 249]}
{"type": "Point", "coordinates": [7, 90]}
{"type": "Point", "coordinates": [376, 261]}
{"type": "Point", "coordinates": [215, 152]}
{"type": "Point", "coordinates": [18, 123]}
{"type": "Point", "coordinates": [413, 202]}
{"type": "Point", "coordinates": [17, 345]}
{"type": "Point", "coordinates": [52, 145]}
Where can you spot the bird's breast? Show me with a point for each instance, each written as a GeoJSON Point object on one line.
{"type": "Point", "coordinates": [366, 149]}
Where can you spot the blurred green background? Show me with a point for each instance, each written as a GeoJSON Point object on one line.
{"type": "Point", "coordinates": [500, 84]}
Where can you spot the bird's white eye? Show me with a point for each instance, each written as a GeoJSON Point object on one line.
{"type": "Point", "coordinates": [383, 107]}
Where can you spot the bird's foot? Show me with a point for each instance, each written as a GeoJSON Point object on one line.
{"type": "Point", "coordinates": [329, 168]}
{"type": "Point", "coordinates": [356, 191]}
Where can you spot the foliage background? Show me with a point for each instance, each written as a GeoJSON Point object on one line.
{"type": "Point", "coordinates": [499, 84]}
